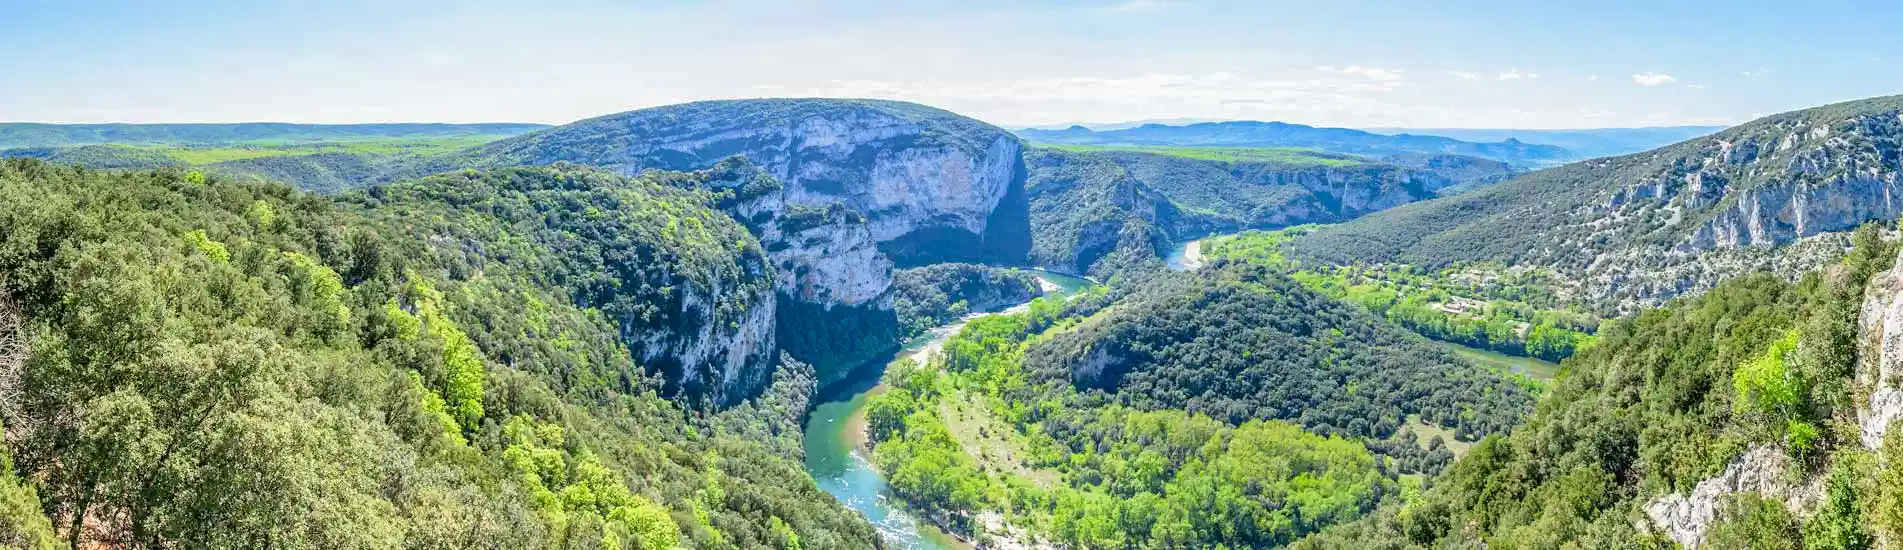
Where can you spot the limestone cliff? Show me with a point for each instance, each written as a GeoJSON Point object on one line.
{"type": "Point", "coordinates": [923, 185]}
{"type": "Point", "coordinates": [1764, 470]}
{"type": "Point", "coordinates": [1637, 230]}
{"type": "Point", "coordinates": [1880, 361]}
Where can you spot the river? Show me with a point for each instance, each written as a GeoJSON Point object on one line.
{"type": "Point", "coordinates": [835, 438]}
{"type": "Point", "coordinates": [1185, 256]}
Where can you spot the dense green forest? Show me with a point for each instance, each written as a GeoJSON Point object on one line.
{"type": "Point", "coordinates": [1516, 312]}
{"type": "Point", "coordinates": [924, 297]}
{"type": "Point", "coordinates": [307, 162]}
{"type": "Point", "coordinates": [1238, 341]}
{"type": "Point", "coordinates": [1666, 399]}
{"type": "Point", "coordinates": [1126, 203]}
{"type": "Point", "coordinates": [213, 363]}
{"type": "Point", "coordinates": [1057, 465]}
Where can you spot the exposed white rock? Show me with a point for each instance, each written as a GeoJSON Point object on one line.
{"type": "Point", "coordinates": [1762, 469]}
{"type": "Point", "coordinates": [729, 362]}
{"type": "Point", "coordinates": [875, 164]}
{"type": "Point", "coordinates": [1880, 362]}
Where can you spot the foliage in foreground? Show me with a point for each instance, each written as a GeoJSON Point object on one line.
{"type": "Point", "coordinates": [218, 364]}
{"type": "Point", "coordinates": [1665, 400]}
{"type": "Point", "coordinates": [1125, 478]}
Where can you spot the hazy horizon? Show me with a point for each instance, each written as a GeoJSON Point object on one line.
{"type": "Point", "coordinates": [1017, 64]}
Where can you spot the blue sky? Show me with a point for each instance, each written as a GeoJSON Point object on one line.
{"type": "Point", "coordinates": [1530, 64]}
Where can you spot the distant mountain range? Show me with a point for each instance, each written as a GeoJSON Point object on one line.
{"type": "Point", "coordinates": [1587, 142]}
{"type": "Point", "coordinates": [25, 134]}
{"type": "Point", "coordinates": [1282, 134]}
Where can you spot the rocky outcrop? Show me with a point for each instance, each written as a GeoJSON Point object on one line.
{"type": "Point", "coordinates": [923, 185]}
{"type": "Point", "coordinates": [1762, 469]}
{"type": "Point", "coordinates": [820, 255]}
{"type": "Point", "coordinates": [721, 363]}
{"type": "Point", "coordinates": [1880, 361]}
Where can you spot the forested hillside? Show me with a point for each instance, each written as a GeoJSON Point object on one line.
{"type": "Point", "coordinates": [321, 162]}
{"type": "Point", "coordinates": [1158, 418]}
{"type": "Point", "coordinates": [1639, 229]}
{"type": "Point", "coordinates": [1736, 419]}
{"type": "Point", "coordinates": [1202, 342]}
{"type": "Point", "coordinates": [216, 364]}
{"type": "Point", "coordinates": [1125, 204]}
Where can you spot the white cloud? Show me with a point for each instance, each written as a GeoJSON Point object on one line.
{"type": "Point", "coordinates": [1376, 74]}
{"type": "Point", "coordinates": [1593, 78]}
{"type": "Point", "coordinates": [1653, 79]}
{"type": "Point", "coordinates": [1595, 113]}
{"type": "Point", "coordinates": [1515, 74]}
{"type": "Point", "coordinates": [1339, 96]}
{"type": "Point", "coordinates": [1695, 86]}
{"type": "Point", "coordinates": [1463, 75]}
{"type": "Point", "coordinates": [1134, 6]}
{"type": "Point", "coordinates": [1754, 73]}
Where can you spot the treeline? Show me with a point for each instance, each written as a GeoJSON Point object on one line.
{"type": "Point", "coordinates": [1667, 399]}
{"type": "Point", "coordinates": [1240, 341]}
{"type": "Point", "coordinates": [933, 295]}
{"type": "Point", "coordinates": [1106, 476]}
{"type": "Point", "coordinates": [211, 364]}
{"type": "Point", "coordinates": [1487, 315]}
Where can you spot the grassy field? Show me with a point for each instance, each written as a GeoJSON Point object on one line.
{"type": "Point", "coordinates": [1280, 155]}
{"type": "Point", "coordinates": [995, 445]}
{"type": "Point", "coordinates": [1534, 368]}
{"type": "Point", "coordinates": [201, 155]}
{"type": "Point", "coordinates": [1425, 431]}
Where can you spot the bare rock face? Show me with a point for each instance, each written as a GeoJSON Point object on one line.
{"type": "Point", "coordinates": [1685, 518]}
{"type": "Point", "coordinates": [823, 255]}
{"type": "Point", "coordinates": [1880, 362]}
{"type": "Point", "coordinates": [865, 184]}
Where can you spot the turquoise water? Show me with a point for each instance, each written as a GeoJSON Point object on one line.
{"type": "Point", "coordinates": [1178, 258]}
{"type": "Point", "coordinates": [845, 471]}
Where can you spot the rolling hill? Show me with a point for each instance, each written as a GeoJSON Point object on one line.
{"type": "Point", "coordinates": [1772, 194]}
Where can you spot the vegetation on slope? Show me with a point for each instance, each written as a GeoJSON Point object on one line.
{"type": "Point", "coordinates": [635, 140]}
{"type": "Point", "coordinates": [1124, 478]}
{"type": "Point", "coordinates": [648, 254]}
{"type": "Point", "coordinates": [223, 364]}
{"type": "Point", "coordinates": [1508, 311]}
{"type": "Point", "coordinates": [334, 166]}
{"type": "Point", "coordinates": [1126, 204]}
{"type": "Point", "coordinates": [1623, 227]}
{"type": "Point", "coordinates": [1667, 399]}
{"type": "Point", "coordinates": [925, 297]}
{"type": "Point", "coordinates": [1238, 341]}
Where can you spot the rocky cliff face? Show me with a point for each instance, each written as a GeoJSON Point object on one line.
{"type": "Point", "coordinates": [1686, 517]}
{"type": "Point", "coordinates": [820, 255]}
{"type": "Point", "coordinates": [921, 184]}
{"type": "Point", "coordinates": [1788, 179]}
{"type": "Point", "coordinates": [1880, 361]}
{"type": "Point", "coordinates": [1636, 230]}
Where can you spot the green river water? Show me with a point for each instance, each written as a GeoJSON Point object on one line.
{"type": "Point", "coordinates": [843, 468]}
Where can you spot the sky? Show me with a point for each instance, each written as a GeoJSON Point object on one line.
{"type": "Point", "coordinates": [1391, 63]}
